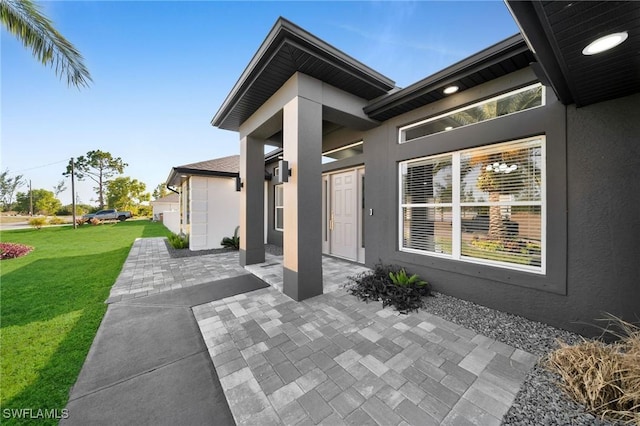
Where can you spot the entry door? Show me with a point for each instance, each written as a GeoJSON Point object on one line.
{"type": "Point", "coordinates": [343, 213]}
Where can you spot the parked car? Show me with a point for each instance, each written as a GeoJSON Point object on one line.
{"type": "Point", "coordinates": [480, 223]}
{"type": "Point", "coordinates": [108, 214]}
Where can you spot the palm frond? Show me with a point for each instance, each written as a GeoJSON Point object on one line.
{"type": "Point", "coordinates": [23, 19]}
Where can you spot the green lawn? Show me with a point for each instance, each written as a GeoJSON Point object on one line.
{"type": "Point", "coordinates": [51, 304]}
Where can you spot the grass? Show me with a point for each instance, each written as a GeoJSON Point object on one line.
{"type": "Point", "coordinates": [605, 378]}
{"type": "Point", "coordinates": [52, 304]}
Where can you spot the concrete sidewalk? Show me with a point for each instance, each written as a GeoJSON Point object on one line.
{"type": "Point", "coordinates": [148, 363]}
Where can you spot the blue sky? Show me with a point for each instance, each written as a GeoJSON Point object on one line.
{"type": "Point", "coordinates": [161, 70]}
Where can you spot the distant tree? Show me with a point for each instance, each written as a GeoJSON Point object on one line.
{"type": "Point", "coordinates": [44, 202]}
{"type": "Point", "coordinates": [160, 191]}
{"type": "Point", "coordinates": [99, 166]}
{"type": "Point", "coordinates": [67, 210]}
{"type": "Point", "coordinates": [60, 187]}
{"type": "Point", "coordinates": [8, 186]}
{"type": "Point", "coordinates": [124, 193]}
{"type": "Point", "coordinates": [23, 19]}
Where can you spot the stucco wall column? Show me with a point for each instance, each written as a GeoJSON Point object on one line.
{"type": "Point", "coordinates": [251, 201]}
{"type": "Point", "coordinates": [302, 129]}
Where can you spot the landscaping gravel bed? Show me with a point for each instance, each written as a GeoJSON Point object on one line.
{"type": "Point", "coordinates": [540, 401]}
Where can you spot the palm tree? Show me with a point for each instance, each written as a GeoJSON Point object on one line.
{"type": "Point", "coordinates": [24, 19]}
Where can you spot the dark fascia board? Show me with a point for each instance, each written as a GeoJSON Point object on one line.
{"type": "Point", "coordinates": [177, 171]}
{"type": "Point", "coordinates": [531, 20]}
{"type": "Point", "coordinates": [273, 155]}
{"type": "Point", "coordinates": [512, 46]}
{"type": "Point", "coordinates": [282, 30]}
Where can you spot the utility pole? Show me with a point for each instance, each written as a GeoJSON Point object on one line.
{"type": "Point", "coordinates": [73, 195]}
{"type": "Point", "coordinates": [30, 199]}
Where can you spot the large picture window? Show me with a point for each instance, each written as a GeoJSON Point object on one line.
{"type": "Point", "coordinates": [279, 207]}
{"type": "Point", "coordinates": [483, 205]}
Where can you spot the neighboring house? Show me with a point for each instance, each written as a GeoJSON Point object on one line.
{"type": "Point", "coordinates": [209, 203]}
{"type": "Point", "coordinates": [509, 178]}
{"type": "Point", "coordinates": [168, 203]}
{"type": "Point", "coordinates": [167, 211]}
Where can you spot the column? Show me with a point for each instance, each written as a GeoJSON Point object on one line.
{"type": "Point", "coordinates": [251, 201]}
{"type": "Point", "coordinates": [302, 128]}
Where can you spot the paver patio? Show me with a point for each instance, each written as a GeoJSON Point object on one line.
{"type": "Point", "coordinates": [332, 359]}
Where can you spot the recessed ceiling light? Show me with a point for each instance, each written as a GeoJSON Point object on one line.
{"type": "Point", "coordinates": [448, 128]}
{"type": "Point", "coordinates": [605, 43]}
{"type": "Point", "coordinates": [451, 89]}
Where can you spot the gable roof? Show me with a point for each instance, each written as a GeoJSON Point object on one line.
{"type": "Point", "coordinates": [286, 50]}
{"type": "Point", "coordinates": [230, 164]}
{"type": "Point", "coordinates": [217, 167]}
{"type": "Point", "coordinates": [170, 198]}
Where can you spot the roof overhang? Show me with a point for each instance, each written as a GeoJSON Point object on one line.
{"type": "Point", "coordinates": [286, 50]}
{"type": "Point", "coordinates": [557, 32]}
{"type": "Point", "coordinates": [500, 59]}
{"type": "Point", "coordinates": [178, 174]}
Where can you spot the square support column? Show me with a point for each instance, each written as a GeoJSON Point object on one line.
{"type": "Point", "coordinates": [251, 201]}
{"type": "Point", "coordinates": [302, 131]}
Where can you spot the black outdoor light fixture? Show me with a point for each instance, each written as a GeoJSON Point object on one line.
{"type": "Point", "coordinates": [283, 171]}
{"type": "Point", "coordinates": [239, 184]}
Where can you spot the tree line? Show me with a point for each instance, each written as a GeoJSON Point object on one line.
{"type": "Point", "coordinates": [112, 189]}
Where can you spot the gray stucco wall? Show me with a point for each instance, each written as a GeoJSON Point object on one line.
{"type": "Point", "coordinates": [593, 217]}
{"type": "Point", "coordinates": [604, 210]}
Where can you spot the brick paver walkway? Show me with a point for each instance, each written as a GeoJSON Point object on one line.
{"type": "Point", "coordinates": [332, 359]}
{"type": "Point", "coordinates": [149, 269]}
{"type": "Point", "coordinates": [336, 360]}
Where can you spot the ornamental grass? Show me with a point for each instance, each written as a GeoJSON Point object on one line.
{"type": "Point", "coordinates": [604, 377]}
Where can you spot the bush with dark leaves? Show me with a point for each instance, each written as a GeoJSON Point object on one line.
{"type": "Point", "coordinates": [378, 285]}
{"type": "Point", "coordinates": [12, 250]}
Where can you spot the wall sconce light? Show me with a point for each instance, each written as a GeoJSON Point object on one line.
{"type": "Point", "coordinates": [283, 171]}
{"type": "Point", "coordinates": [239, 184]}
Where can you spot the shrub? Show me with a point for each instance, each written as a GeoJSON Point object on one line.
{"type": "Point", "coordinates": [144, 211]}
{"type": "Point", "coordinates": [12, 250]}
{"type": "Point", "coordinates": [488, 245]}
{"type": "Point", "coordinates": [605, 378]}
{"type": "Point", "coordinates": [38, 222]}
{"type": "Point", "coordinates": [179, 241]}
{"type": "Point", "coordinates": [232, 242]}
{"type": "Point", "coordinates": [391, 285]}
{"type": "Point", "coordinates": [80, 210]}
{"type": "Point", "coordinates": [57, 221]}
{"type": "Point", "coordinates": [95, 221]}
{"type": "Point", "coordinates": [403, 279]}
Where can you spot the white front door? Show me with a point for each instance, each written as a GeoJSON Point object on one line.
{"type": "Point", "coordinates": [343, 215]}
